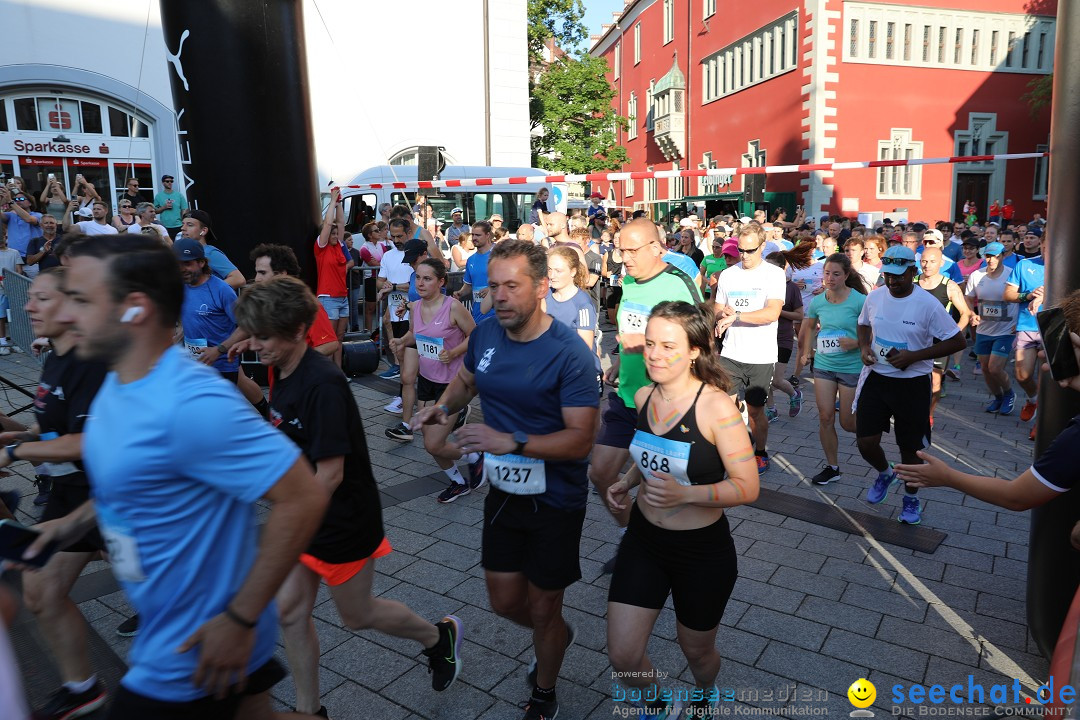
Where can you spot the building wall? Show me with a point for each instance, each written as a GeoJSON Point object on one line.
{"type": "Point", "coordinates": [827, 109]}
{"type": "Point", "coordinates": [377, 86]}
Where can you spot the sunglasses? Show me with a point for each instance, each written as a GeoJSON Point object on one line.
{"type": "Point", "coordinates": [168, 181]}
{"type": "Point", "coordinates": [18, 199]}
{"type": "Point", "coordinates": [750, 251]}
{"type": "Point", "coordinates": [126, 205]}
{"type": "Point", "coordinates": [897, 261]}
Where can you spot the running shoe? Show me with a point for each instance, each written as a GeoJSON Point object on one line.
{"type": "Point", "coordinates": [5, 349]}
{"type": "Point", "coordinates": [763, 463]}
{"type": "Point", "coordinates": [953, 373]}
{"type": "Point", "coordinates": [322, 712]}
{"type": "Point", "coordinates": [885, 481]}
{"type": "Point", "coordinates": [972, 355]}
{"type": "Point", "coordinates": [1028, 411]}
{"type": "Point", "coordinates": [995, 405]}
{"type": "Point", "coordinates": [1008, 402]}
{"type": "Point", "coordinates": [44, 489]}
{"type": "Point", "coordinates": [796, 404]}
{"type": "Point", "coordinates": [394, 406]}
{"type": "Point", "coordinates": [453, 492]}
{"type": "Point", "coordinates": [444, 661]}
{"type": "Point", "coordinates": [392, 374]}
{"type": "Point", "coordinates": [771, 415]}
{"type": "Point", "coordinates": [944, 392]}
{"type": "Point", "coordinates": [17, 349]}
{"type": "Point", "coordinates": [463, 417]}
{"type": "Point", "coordinates": [476, 472]}
{"type": "Point", "coordinates": [911, 514]}
{"type": "Point", "coordinates": [1031, 435]}
{"type": "Point", "coordinates": [826, 476]}
{"type": "Point", "coordinates": [530, 674]}
{"type": "Point", "coordinates": [977, 370]}
{"type": "Point", "coordinates": [401, 433]}
{"type": "Point", "coordinates": [64, 704]}
{"type": "Point", "coordinates": [794, 380]}
{"type": "Point", "coordinates": [128, 628]}
{"type": "Point", "coordinates": [541, 710]}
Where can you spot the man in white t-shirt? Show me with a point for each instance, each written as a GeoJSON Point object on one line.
{"type": "Point", "coordinates": [394, 277]}
{"type": "Point", "coordinates": [749, 298]}
{"type": "Point", "coordinates": [996, 323]}
{"type": "Point", "coordinates": [902, 329]}
{"type": "Point", "coordinates": [98, 225]}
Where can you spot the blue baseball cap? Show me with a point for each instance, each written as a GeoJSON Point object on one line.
{"type": "Point", "coordinates": [994, 248]}
{"type": "Point", "coordinates": [188, 249]}
{"type": "Point", "coordinates": [897, 260]}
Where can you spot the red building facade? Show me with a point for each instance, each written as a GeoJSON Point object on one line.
{"type": "Point", "coordinates": [721, 83]}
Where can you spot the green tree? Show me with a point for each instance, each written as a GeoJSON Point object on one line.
{"type": "Point", "coordinates": [1039, 94]}
{"type": "Point", "coordinates": [558, 19]}
{"type": "Point", "coordinates": [573, 118]}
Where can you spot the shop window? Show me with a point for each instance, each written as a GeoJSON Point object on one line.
{"type": "Point", "coordinates": [1042, 167]}
{"type": "Point", "coordinates": [123, 125]}
{"type": "Point", "coordinates": [25, 114]}
{"type": "Point", "coordinates": [59, 115]}
{"type": "Point", "coordinates": [3, 116]}
{"type": "Point", "coordinates": [91, 118]}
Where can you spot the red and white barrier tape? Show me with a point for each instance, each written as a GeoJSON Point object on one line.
{"type": "Point", "coordinates": [712, 172]}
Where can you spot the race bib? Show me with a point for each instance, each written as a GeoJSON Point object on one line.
{"type": "Point", "coordinates": [515, 474]}
{"type": "Point", "coordinates": [396, 299]}
{"type": "Point", "coordinates": [989, 310]}
{"type": "Point", "coordinates": [633, 317]}
{"type": "Point", "coordinates": [746, 300]}
{"type": "Point", "coordinates": [196, 346]}
{"type": "Point", "coordinates": [883, 347]}
{"type": "Point", "coordinates": [652, 453]}
{"type": "Point", "coordinates": [122, 548]}
{"type": "Point", "coordinates": [429, 347]}
{"type": "Point", "coordinates": [828, 342]}
{"type": "Point", "coordinates": [476, 296]}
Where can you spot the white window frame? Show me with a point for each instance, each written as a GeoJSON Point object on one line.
{"type": "Point", "coordinates": [708, 9]}
{"type": "Point", "coordinates": [628, 188]}
{"type": "Point", "coordinates": [952, 39]}
{"type": "Point", "coordinates": [650, 187]}
{"type": "Point", "coordinates": [650, 107]}
{"type": "Point", "coordinates": [1042, 173]}
{"type": "Point", "coordinates": [899, 182]}
{"type": "Point", "coordinates": [618, 59]}
{"type": "Point", "coordinates": [631, 115]}
{"type": "Point", "coordinates": [669, 21]}
{"type": "Point", "coordinates": [637, 43]}
{"type": "Point", "coordinates": [758, 57]}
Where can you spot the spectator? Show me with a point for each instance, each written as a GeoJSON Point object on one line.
{"type": "Point", "coordinates": [126, 216]}
{"type": "Point", "coordinates": [53, 199]}
{"type": "Point", "coordinates": [539, 206]}
{"type": "Point", "coordinates": [20, 220]}
{"type": "Point", "coordinates": [196, 226]}
{"type": "Point", "coordinates": [132, 193]}
{"type": "Point", "coordinates": [457, 227]}
{"type": "Point", "coordinates": [97, 225]}
{"type": "Point", "coordinates": [170, 205]}
{"type": "Point", "coordinates": [11, 261]}
{"type": "Point", "coordinates": [146, 218]}
{"type": "Point", "coordinates": [39, 253]}
{"type": "Point", "coordinates": [332, 265]}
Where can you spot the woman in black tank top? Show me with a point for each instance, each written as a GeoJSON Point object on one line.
{"type": "Point", "coordinates": [692, 458]}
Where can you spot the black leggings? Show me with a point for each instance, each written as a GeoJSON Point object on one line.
{"type": "Point", "coordinates": [698, 568]}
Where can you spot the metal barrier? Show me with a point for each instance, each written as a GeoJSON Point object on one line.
{"type": "Point", "coordinates": [358, 297]}
{"type": "Point", "coordinates": [17, 289]}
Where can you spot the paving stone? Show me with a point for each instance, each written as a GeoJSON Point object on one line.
{"type": "Point", "coordinates": [485, 628]}
{"type": "Point", "coordinates": [772, 533]}
{"type": "Point", "coordinates": [889, 603]}
{"type": "Point", "coordinates": [976, 580]}
{"type": "Point", "coordinates": [367, 663]}
{"type": "Point", "coordinates": [757, 593]}
{"type": "Point", "coordinates": [760, 570]}
{"type": "Point", "coordinates": [808, 582]}
{"type": "Point", "coordinates": [929, 639]}
{"type": "Point", "coordinates": [460, 534]}
{"type": "Point", "coordinates": [413, 691]}
{"type": "Point", "coordinates": [881, 578]}
{"type": "Point", "coordinates": [425, 574]}
{"type": "Point", "coordinates": [782, 555]}
{"type": "Point", "coordinates": [816, 669]}
{"type": "Point", "coordinates": [408, 541]}
{"type": "Point", "coordinates": [839, 614]}
{"type": "Point", "coordinates": [885, 656]}
{"type": "Point", "coordinates": [854, 549]}
{"type": "Point", "coordinates": [787, 628]}
{"type": "Point", "coordinates": [587, 598]}
{"type": "Point", "coordinates": [987, 630]}
{"type": "Point", "coordinates": [922, 567]}
{"type": "Point", "coordinates": [1001, 607]}
{"type": "Point", "coordinates": [417, 522]}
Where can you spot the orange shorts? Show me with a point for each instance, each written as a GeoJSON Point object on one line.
{"type": "Point", "coordinates": [339, 574]}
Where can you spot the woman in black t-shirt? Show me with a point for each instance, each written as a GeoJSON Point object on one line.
{"type": "Point", "coordinates": [312, 404]}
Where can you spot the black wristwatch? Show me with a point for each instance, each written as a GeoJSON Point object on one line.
{"type": "Point", "coordinates": [11, 450]}
{"type": "Point", "coordinates": [521, 439]}
{"type": "Point", "coordinates": [222, 349]}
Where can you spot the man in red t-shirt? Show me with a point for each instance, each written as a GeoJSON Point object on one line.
{"type": "Point", "coordinates": [332, 263]}
{"type": "Point", "coordinates": [1008, 212]}
{"type": "Point", "coordinates": [273, 261]}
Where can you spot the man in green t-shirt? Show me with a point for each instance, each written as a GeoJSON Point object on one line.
{"type": "Point", "coordinates": [170, 206]}
{"type": "Point", "coordinates": [648, 282]}
{"type": "Point", "coordinates": [712, 264]}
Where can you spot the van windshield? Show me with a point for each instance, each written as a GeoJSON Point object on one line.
{"type": "Point", "coordinates": [513, 206]}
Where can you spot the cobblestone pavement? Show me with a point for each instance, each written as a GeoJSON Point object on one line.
{"type": "Point", "coordinates": [813, 610]}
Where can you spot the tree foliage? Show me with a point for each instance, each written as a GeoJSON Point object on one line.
{"type": "Point", "coordinates": [1039, 94]}
{"type": "Point", "coordinates": [558, 19]}
{"type": "Point", "coordinates": [573, 118]}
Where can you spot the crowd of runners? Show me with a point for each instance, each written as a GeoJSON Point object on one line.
{"type": "Point", "coordinates": [154, 446]}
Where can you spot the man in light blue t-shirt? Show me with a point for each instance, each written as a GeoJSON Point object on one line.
{"type": "Point", "coordinates": [170, 206]}
{"type": "Point", "coordinates": [476, 274]}
{"type": "Point", "coordinates": [1025, 286]}
{"type": "Point", "coordinates": [176, 461]}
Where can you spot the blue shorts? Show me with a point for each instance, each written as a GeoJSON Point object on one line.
{"type": "Point", "coordinates": [1002, 345]}
{"type": "Point", "coordinates": [5, 305]}
{"type": "Point", "coordinates": [335, 307]}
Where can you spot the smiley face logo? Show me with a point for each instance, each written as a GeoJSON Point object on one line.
{"type": "Point", "coordinates": [862, 693]}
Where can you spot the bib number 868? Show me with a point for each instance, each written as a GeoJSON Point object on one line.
{"type": "Point", "coordinates": [654, 462]}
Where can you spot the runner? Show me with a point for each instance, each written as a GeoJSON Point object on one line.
{"type": "Point", "coordinates": [440, 328]}
{"type": "Point", "coordinates": [535, 445]}
{"type": "Point", "coordinates": [395, 275]}
{"type": "Point", "coordinates": [749, 298]}
{"type": "Point", "coordinates": [475, 278]}
{"type": "Point", "coordinates": [711, 265]}
{"type": "Point", "coordinates": [855, 248]}
{"type": "Point", "coordinates": [791, 314]}
{"type": "Point", "coordinates": [648, 282]}
{"type": "Point", "coordinates": [897, 330]}
{"type": "Point", "coordinates": [678, 543]}
{"type": "Point", "coordinates": [1025, 286]}
{"type": "Point", "coordinates": [312, 405]}
{"type": "Point", "coordinates": [569, 302]}
{"type": "Point", "coordinates": [64, 393]}
{"type": "Point", "coordinates": [199, 580]}
{"type": "Point", "coordinates": [995, 320]}
{"type": "Point", "coordinates": [951, 297]}
{"type": "Point", "coordinates": [832, 328]}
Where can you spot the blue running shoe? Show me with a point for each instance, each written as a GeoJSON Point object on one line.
{"type": "Point", "coordinates": [995, 405]}
{"type": "Point", "coordinates": [763, 463]}
{"type": "Point", "coordinates": [885, 481]}
{"type": "Point", "coordinates": [392, 374]}
{"type": "Point", "coordinates": [1008, 402]}
{"type": "Point", "coordinates": [911, 514]}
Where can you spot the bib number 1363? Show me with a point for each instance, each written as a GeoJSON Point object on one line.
{"type": "Point", "coordinates": [516, 474]}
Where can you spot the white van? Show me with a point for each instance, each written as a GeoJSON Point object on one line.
{"type": "Point", "coordinates": [513, 202]}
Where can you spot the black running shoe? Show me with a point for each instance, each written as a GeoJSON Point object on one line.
{"type": "Point", "coordinates": [128, 628]}
{"type": "Point", "coordinates": [65, 705]}
{"type": "Point", "coordinates": [453, 492]}
{"type": "Point", "coordinates": [44, 489]}
{"type": "Point", "coordinates": [826, 476]}
{"type": "Point", "coordinates": [541, 710]}
{"type": "Point", "coordinates": [476, 472]}
{"type": "Point", "coordinates": [401, 433]}
{"type": "Point", "coordinates": [444, 662]}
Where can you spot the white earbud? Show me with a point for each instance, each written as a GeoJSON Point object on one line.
{"type": "Point", "coordinates": [130, 314]}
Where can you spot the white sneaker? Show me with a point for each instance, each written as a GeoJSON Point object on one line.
{"type": "Point", "coordinates": [17, 349]}
{"type": "Point", "coordinates": [394, 406]}
{"type": "Point", "coordinates": [5, 349]}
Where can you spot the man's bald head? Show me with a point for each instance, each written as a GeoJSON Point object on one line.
{"type": "Point", "coordinates": [642, 229]}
